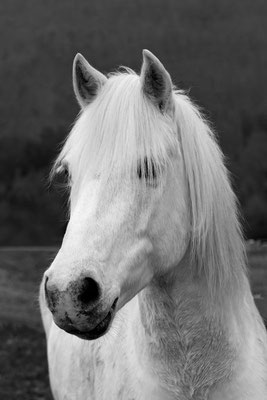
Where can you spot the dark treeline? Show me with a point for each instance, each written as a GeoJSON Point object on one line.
{"type": "Point", "coordinates": [216, 49]}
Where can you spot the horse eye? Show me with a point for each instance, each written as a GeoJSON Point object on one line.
{"type": "Point", "coordinates": [147, 170]}
{"type": "Point", "coordinates": [66, 172]}
{"type": "Point", "coordinates": [63, 172]}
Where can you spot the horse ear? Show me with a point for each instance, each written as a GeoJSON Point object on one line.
{"type": "Point", "coordinates": [86, 80]}
{"type": "Point", "coordinates": [156, 81]}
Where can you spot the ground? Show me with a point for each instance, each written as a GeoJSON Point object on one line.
{"type": "Point", "coordinates": [23, 365]}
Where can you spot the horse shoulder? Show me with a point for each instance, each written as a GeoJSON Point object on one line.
{"type": "Point", "coordinates": [250, 381]}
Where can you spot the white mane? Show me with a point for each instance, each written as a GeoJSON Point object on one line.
{"type": "Point", "coordinates": [217, 242]}
{"type": "Point", "coordinates": [122, 128]}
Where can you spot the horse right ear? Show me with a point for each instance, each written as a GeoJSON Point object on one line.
{"type": "Point", "coordinates": [87, 81]}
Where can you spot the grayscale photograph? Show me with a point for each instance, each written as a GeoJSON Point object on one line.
{"type": "Point", "coordinates": [133, 200]}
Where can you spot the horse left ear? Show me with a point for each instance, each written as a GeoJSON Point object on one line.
{"type": "Point", "coordinates": [156, 81]}
{"type": "Point", "coordinates": [87, 81]}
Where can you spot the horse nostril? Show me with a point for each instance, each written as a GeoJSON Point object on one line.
{"type": "Point", "coordinates": [45, 287]}
{"type": "Point", "coordinates": [51, 295]}
{"type": "Point", "coordinates": [89, 291]}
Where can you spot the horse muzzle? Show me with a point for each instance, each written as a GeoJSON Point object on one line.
{"type": "Point", "coordinates": [80, 309]}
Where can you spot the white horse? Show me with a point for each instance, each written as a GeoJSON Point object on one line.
{"type": "Point", "coordinates": [148, 297]}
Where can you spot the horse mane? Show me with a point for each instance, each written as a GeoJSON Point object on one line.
{"type": "Point", "coordinates": [121, 131]}
{"type": "Point", "coordinates": [217, 244]}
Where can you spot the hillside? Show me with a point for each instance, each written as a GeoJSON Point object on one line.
{"type": "Point", "coordinates": [216, 49]}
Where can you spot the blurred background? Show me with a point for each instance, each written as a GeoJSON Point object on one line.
{"type": "Point", "coordinates": [216, 49]}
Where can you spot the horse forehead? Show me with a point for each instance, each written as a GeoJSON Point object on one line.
{"type": "Point", "coordinates": [103, 199]}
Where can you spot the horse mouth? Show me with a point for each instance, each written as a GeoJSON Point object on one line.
{"type": "Point", "coordinates": [100, 329]}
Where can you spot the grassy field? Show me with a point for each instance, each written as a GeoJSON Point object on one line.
{"type": "Point", "coordinates": [23, 366]}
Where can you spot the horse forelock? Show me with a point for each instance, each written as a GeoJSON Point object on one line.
{"type": "Point", "coordinates": [120, 133]}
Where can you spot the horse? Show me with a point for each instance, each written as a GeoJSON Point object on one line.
{"type": "Point", "coordinates": [148, 296]}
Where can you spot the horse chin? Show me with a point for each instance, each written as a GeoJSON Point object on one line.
{"type": "Point", "coordinates": [99, 330]}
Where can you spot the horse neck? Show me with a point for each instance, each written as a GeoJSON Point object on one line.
{"type": "Point", "coordinates": [185, 331]}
